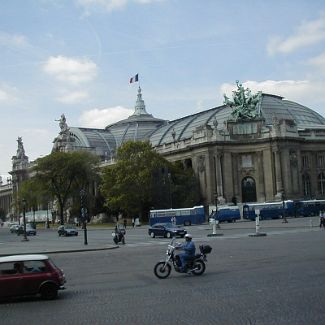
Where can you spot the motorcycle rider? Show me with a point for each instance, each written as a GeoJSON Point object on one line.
{"type": "Point", "coordinates": [189, 251]}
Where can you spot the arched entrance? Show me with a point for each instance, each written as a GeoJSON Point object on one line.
{"type": "Point", "coordinates": [248, 189]}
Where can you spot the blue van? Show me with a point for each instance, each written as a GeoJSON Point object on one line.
{"type": "Point", "coordinates": [229, 213]}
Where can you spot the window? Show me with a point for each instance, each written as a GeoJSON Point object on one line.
{"type": "Point", "coordinates": [7, 269]}
{"type": "Point", "coordinates": [321, 183]}
{"type": "Point", "coordinates": [247, 161]}
{"type": "Point", "coordinates": [321, 161]}
{"type": "Point", "coordinates": [305, 162]}
{"type": "Point", "coordinates": [306, 185]}
{"type": "Point", "coordinates": [34, 267]}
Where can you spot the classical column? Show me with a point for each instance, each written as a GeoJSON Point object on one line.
{"type": "Point", "coordinates": [219, 176]}
{"type": "Point", "coordinates": [234, 158]}
{"type": "Point", "coordinates": [261, 183]}
{"type": "Point", "coordinates": [278, 177]}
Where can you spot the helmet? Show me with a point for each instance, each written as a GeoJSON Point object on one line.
{"type": "Point", "coordinates": [188, 236]}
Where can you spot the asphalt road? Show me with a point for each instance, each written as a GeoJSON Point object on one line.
{"type": "Point", "coordinates": [277, 279]}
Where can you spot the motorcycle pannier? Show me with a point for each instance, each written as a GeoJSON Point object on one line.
{"type": "Point", "coordinates": [205, 249]}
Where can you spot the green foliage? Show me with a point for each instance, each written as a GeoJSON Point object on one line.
{"type": "Point", "coordinates": [142, 179]}
{"type": "Point", "coordinates": [186, 189]}
{"type": "Point", "coordinates": [61, 175]}
{"type": "Point", "coordinates": [33, 193]}
{"type": "Point", "coordinates": [127, 184]}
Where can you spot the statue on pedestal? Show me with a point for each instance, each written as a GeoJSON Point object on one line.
{"type": "Point", "coordinates": [244, 103]}
{"type": "Point", "coordinates": [20, 151]}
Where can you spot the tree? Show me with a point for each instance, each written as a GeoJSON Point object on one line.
{"type": "Point", "coordinates": [186, 189]}
{"type": "Point", "coordinates": [141, 179]}
{"type": "Point", "coordinates": [32, 193]}
{"type": "Point", "coordinates": [62, 175]}
{"type": "Point", "coordinates": [127, 184]}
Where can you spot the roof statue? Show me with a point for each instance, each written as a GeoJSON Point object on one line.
{"type": "Point", "coordinates": [20, 151]}
{"type": "Point", "coordinates": [62, 141]}
{"type": "Point", "coordinates": [244, 104]}
{"type": "Point", "coordinates": [63, 124]}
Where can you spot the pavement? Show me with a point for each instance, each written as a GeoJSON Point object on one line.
{"type": "Point", "coordinates": [47, 241]}
{"type": "Point", "coordinates": [44, 243]}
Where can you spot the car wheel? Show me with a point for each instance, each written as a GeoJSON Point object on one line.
{"type": "Point", "coordinates": [168, 235]}
{"type": "Point", "coordinates": [152, 235]}
{"type": "Point", "coordinates": [49, 291]}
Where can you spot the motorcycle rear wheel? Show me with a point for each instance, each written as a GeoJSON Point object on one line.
{"type": "Point", "coordinates": [198, 267]}
{"type": "Point", "coordinates": [162, 270]}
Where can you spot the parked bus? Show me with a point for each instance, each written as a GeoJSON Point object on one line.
{"type": "Point", "coordinates": [308, 208]}
{"type": "Point", "coordinates": [229, 213]}
{"type": "Point", "coordinates": [184, 216]}
{"type": "Point", "coordinates": [269, 210]}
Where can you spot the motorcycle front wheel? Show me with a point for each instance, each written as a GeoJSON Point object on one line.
{"type": "Point", "coordinates": [198, 267]}
{"type": "Point", "coordinates": [162, 270]}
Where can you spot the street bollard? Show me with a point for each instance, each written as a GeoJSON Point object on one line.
{"type": "Point", "coordinates": [257, 226]}
{"type": "Point", "coordinates": [215, 225]}
{"type": "Point", "coordinates": [257, 223]}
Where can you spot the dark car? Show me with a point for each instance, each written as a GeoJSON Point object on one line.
{"type": "Point", "coordinates": [166, 230]}
{"type": "Point", "coordinates": [30, 231]}
{"type": "Point", "coordinates": [67, 230]}
{"type": "Point", "coordinates": [24, 275]}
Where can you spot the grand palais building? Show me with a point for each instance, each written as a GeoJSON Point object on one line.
{"type": "Point", "coordinates": [255, 148]}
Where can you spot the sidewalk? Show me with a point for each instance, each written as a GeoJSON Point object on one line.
{"type": "Point", "coordinates": [47, 241]}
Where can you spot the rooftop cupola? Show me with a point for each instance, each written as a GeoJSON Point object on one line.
{"type": "Point", "coordinates": [140, 107]}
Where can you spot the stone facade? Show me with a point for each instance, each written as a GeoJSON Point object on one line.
{"type": "Point", "coordinates": [277, 153]}
{"type": "Point", "coordinates": [250, 161]}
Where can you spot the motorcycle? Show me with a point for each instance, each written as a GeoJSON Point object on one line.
{"type": "Point", "coordinates": [119, 236]}
{"type": "Point", "coordinates": [196, 265]}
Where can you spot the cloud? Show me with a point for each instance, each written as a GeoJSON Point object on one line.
{"type": "Point", "coordinates": [308, 33]}
{"type": "Point", "coordinates": [110, 5]}
{"type": "Point", "coordinates": [100, 118]}
{"type": "Point", "coordinates": [70, 70]}
{"type": "Point", "coordinates": [12, 40]}
{"type": "Point", "coordinates": [295, 90]}
{"type": "Point", "coordinates": [73, 97]}
{"type": "Point", "coordinates": [8, 94]}
{"type": "Point", "coordinates": [318, 62]}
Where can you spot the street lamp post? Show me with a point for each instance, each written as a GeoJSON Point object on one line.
{"type": "Point", "coordinates": [47, 216]}
{"type": "Point", "coordinates": [283, 208]}
{"type": "Point", "coordinates": [83, 212]}
{"type": "Point", "coordinates": [24, 219]}
{"type": "Point", "coordinates": [170, 190]}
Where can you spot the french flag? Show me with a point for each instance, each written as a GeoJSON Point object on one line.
{"type": "Point", "coordinates": [134, 79]}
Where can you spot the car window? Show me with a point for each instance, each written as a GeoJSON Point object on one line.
{"type": "Point", "coordinates": [35, 267]}
{"type": "Point", "coordinates": [10, 268]}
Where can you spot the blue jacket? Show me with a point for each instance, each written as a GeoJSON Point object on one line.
{"type": "Point", "coordinates": [189, 248]}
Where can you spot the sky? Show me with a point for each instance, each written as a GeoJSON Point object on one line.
{"type": "Point", "coordinates": [76, 57]}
